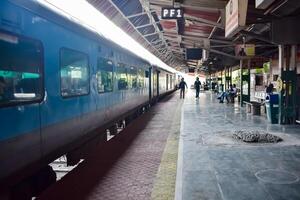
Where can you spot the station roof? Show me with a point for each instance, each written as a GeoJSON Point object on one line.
{"type": "Point", "coordinates": [204, 21]}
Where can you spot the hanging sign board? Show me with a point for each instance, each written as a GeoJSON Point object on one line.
{"type": "Point", "coordinates": [245, 50]}
{"type": "Point", "coordinates": [236, 12]}
{"type": "Point", "coordinates": [193, 54]}
{"type": "Point", "coordinates": [171, 13]}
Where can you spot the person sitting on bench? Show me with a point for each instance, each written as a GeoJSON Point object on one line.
{"type": "Point", "coordinates": [232, 94]}
{"type": "Point", "coordinates": [229, 94]}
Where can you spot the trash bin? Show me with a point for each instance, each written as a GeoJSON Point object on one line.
{"type": "Point", "coordinates": [272, 106]}
{"type": "Point", "coordinates": [255, 108]}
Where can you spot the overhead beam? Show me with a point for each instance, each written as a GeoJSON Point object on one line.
{"type": "Point", "coordinates": [197, 39]}
{"type": "Point", "coordinates": [145, 25]}
{"type": "Point", "coordinates": [149, 34]}
{"type": "Point", "coordinates": [201, 38]}
{"type": "Point", "coordinates": [136, 15]}
{"type": "Point", "coordinates": [145, 39]}
{"type": "Point", "coordinates": [207, 5]}
{"type": "Point", "coordinates": [146, 6]}
{"type": "Point", "coordinates": [215, 28]}
{"type": "Point", "coordinates": [256, 36]}
{"type": "Point", "coordinates": [206, 21]}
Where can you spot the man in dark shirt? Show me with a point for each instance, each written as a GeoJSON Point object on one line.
{"type": "Point", "coordinates": [182, 86]}
{"type": "Point", "coordinates": [269, 89]}
{"type": "Point", "coordinates": [197, 85]}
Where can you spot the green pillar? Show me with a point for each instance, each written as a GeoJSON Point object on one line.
{"type": "Point", "coordinates": [281, 66]}
{"type": "Point", "coordinates": [241, 82]}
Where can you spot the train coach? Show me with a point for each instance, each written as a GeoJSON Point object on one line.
{"type": "Point", "coordinates": [59, 82]}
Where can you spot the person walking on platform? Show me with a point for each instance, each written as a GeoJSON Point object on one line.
{"type": "Point", "coordinates": [182, 86]}
{"type": "Point", "coordinates": [197, 85]}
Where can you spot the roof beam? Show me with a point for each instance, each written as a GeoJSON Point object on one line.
{"type": "Point", "coordinates": [169, 36]}
{"type": "Point", "coordinates": [149, 34]}
{"type": "Point", "coordinates": [145, 25]}
{"type": "Point", "coordinates": [256, 36]}
{"type": "Point", "coordinates": [206, 21]}
{"type": "Point", "coordinates": [201, 38]}
{"type": "Point", "coordinates": [215, 28]}
{"type": "Point", "coordinates": [204, 5]}
{"type": "Point", "coordinates": [136, 15]}
{"type": "Point", "coordinates": [122, 14]}
{"type": "Point", "coordinates": [146, 6]}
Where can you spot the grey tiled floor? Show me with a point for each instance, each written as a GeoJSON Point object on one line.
{"type": "Point", "coordinates": [220, 171]}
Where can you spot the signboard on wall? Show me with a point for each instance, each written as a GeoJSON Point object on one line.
{"type": "Point", "coordinates": [171, 13]}
{"type": "Point", "coordinates": [236, 12]}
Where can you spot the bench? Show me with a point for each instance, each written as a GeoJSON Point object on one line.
{"type": "Point", "coordinates": [231, 98]}
{"type": "Point", "coordinates": [248, 106]}
{"type": "Point", "coordinates": [253, 107]}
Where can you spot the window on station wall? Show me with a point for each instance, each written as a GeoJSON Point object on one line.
{"type": "Point", "coordinates": [171, 81]}
{"type": "Point", "coordinates": [74, 73]}
{"type": "Point", "coordinates": [104, 75]}
{"type": "Point", "coordinates": [132, 77]}
{"type": "Point", "coordinates": [122, 76]}
{"type": "Point", "coordinates": [140, 78]}
{"type": "Point", "coordinates": [20, 70]}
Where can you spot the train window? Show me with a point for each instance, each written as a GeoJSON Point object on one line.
{"type": "Point", "coordinates": [132, 82]}
{"type": "Point", "coordinates": [122, 76]}
{"type": "Point", "coordinates": [104, 75]}
{"type": "Point", "coordinates": [74, 73]}
{"type": "Point", "coordinates": [20, 70]}
{"type": "Point", "coordinates": [141, 75]}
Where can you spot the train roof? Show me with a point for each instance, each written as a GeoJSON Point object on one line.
{"type": "Point", "coordinates": [71, 24]}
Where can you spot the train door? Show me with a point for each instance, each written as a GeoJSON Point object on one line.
{"type": "Point", "coordinates": [167, 82]}
{"type": "Point", "coordinates": [171, 82]}
{"type": "Point", "coordinates": [157, 82]}
{"type": "Point", "coordinates": [21, 90]}
{"type": "Point", "coordinates": [150, 83]}
{"type": "Point", "coordinates": [154, 83]}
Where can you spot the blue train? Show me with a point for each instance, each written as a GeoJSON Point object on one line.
{"type": "Point", "coordinates": [59, 82]}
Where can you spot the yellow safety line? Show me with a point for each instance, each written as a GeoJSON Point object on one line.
{"type": "Point", "coordinates": [165, 181]}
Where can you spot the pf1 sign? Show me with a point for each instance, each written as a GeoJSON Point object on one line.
{"type": "Point", "coordinates": [171, 13]}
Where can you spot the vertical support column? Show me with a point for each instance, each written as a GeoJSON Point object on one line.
{"type": "Point", "coordinates": [230, 75]}
{"type": "Point", "coordinates": [222, 81]}
{"type": "Point", "coordinates": [210, 81]}
{"type": "Point", "coordinates": [281, 67]}
{"type": "Point", "coordinates": [225, 75]}
{"type": "Point", "coordinates": [249, 80]}
{"type": "Point", "coordinates": [293, 82]}
{"type": "Point", "coordinates": [241, 82]}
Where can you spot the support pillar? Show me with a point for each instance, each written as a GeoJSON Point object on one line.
{"type": "Point", "coordinates": [230, 75]}
{"type": "Point", "coordinates": [225, 76]}
{"type": "Point", "coordinates": [222, 86]}
{"type": "Point", "coordinates": [281, 67]}
{"type": "Point", "coordinates": [241, 83]}
{"type": "Point", "coordinates": [249, 66]}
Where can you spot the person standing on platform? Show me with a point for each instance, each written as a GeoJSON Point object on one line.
{"type": "Point", "coordinates": [197, 85]}
{"type": "Point", "coordinates": [182, 86]}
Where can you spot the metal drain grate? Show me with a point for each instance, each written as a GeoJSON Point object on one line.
{"type": "Point", "coordinates": [256, 136]}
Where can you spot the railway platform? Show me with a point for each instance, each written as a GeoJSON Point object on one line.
{"type": "Point", "coordinates": [184, 150]}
